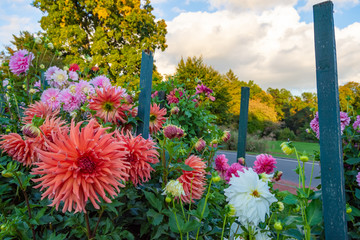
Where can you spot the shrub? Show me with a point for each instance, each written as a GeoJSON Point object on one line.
{"type": "Point", "coordinates": [285, 134]}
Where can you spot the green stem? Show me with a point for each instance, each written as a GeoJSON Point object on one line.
{"type": "Point", "coordinates": [87, 226]}
{"type": "Point", "coordinates": [223, 229]}
{"type": "Point", "coordinates": [177, 223]}
{"type": "Point", "coordinates": [163, 159]}
{"type": "Point", "coordinates": [182, 208]}
{"type": "Point", "coordinates": [203, 211]}
{"type": "Point", "coordinates": [311, 176]}
{"type": "Point", "coordinates": [300, 171]}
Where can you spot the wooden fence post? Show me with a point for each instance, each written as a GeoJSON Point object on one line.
{"type": "Point", "coordinates": [145, 94]}
{"type": "Point", "coordinates": [243, 121]}
{"type": "Point", "coordinates": [332, 172]}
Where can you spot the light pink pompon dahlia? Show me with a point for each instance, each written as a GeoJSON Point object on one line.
{"type": "Point", "coordinates": [20, 150]}
{"type": "Point", "coordinates": [109, 106]}
{"type": "Point", "coordinates": [264, 163]}
{"type": "Point", "coordinates": [193, 181]}
{"type": "Point", "coordinates": [40, 109]}
{"type": "Point", "coordinates": [81, 166]}
{"type": "Point", "coordinates": [20, 62]}
{"type": "Point", "coordinates": [157, 118]}
{"type": "Point", "coordinates": [233, 171]}
{"type": "Point", "coordinates": [139, 153]}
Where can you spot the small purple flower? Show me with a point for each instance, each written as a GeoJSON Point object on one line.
{"type": "Point", "coordinates": [37, 84]}
{"type": "Point", "coordinates": [50, 72]}
{"type": "Point", "coordinates": [356, 124]}
{"type": "Point", "coordinates": [358, 179]}
{"type": "Point", "coordinates": [73, 75]}
{"type": "Point", "coordinates": [344, 120]}
{"type": "Point", "coordinates": [101, 82]}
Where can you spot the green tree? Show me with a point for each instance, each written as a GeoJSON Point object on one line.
{"type": "Point", "coordinates": [112, 32]}
{"type": "Point", "coordinates": [282, 99]}
{"type": "Point", "coordinates": [193, 70]}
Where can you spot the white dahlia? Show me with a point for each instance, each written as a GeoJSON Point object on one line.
{"type": "Point", "coordinates": [250, 196]}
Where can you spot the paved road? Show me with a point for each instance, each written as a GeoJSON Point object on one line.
{"type": "Point", "coordinates": [286, 165]}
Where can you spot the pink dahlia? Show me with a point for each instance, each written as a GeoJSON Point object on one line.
{"type": "Point", "coordinates": [172, 98]}
{"type": "Point", "coordinates": [233, 171]}
{"type": "Point", "coordinates": [50, 72]}
{"type": "Point", "coordinates": [221, 165]}
{"type": "Point", "coordinates": [200, 145]}
{"type": "Point", "coordinates": [226, 136]}
{"type": "Point", "coordinates": [314, 124]}
{"type": "Point", "coordinates": [84, 89]}
{"type": "Point", "coordinates": [344, 120]}
{"type": "Point", "coordinates": [139, 153]}
{"type": "Point", "coordinates": [193, 181]}
{"type": "Point", "coordinates": [358, 179]}
{"type": "Point", "coordinates": [70, 101]}
{"type": "Point", "coordinates": [73, 75]}
{"type": "Point", "coordinates": [20, 62]}
{"type": "Point", "coordinates": [74, 67]}
{"type": "Point", "coordinates": [172, 131]}
{"type": "Point", "coordinates": [59, 79]}
{"type": "Point", "coordinates": [51, 97]}
{"type": "Point", "coordinates": [356, 124]}
{"type": "Point", "coordinates": [264, 164]}
{"type": "Point", "coordinates": [83, 165]}
{"type": "Point", "coordinates": [101, 82]}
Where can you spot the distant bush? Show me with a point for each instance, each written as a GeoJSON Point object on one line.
{"type": "Point", "coordinates": [285, 134]}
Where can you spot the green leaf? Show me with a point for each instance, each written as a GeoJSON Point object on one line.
{"type": "Point", "coordinates": [353, 161]}
{"type": "Point", "coordinates": [55, 236]}
{"type": "Point", "coordinates": [155, 202]}
{"type": "Point", "coordinates": [182, 166]}
{"type": "Point", "coordinates": [190, 226]}
{"type": "Point", "coordinates": [290, 199]}
{"type": "Point", "coordinates": [314, 212]}
{"type": "Point", "coordinates": [156, 217]}
{"type": "Point", "coordinates": [200, 209]}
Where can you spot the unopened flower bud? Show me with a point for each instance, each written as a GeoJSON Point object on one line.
{"type": "Point", "coordinates": [168, 199]}
{"type": "Point", "coordinates": [66, 68]}
{"type": "Point", "coordinates": [42, 66]}
{"type": "Point", "coordinates": [277, 175]}
{"type": "Point", "coordinates": [51, 46]}
{"type": "Point", "coordinates": [348, 210]}
{"type": "Point", "coordinates": [230, 210]}
{"type": "Point", "coordinates": [281, 206]}
{"type": "Point", "coordinates": [8, 130]}
{"type": "Point", "coordinates": [174, 110]}
{"type": "Point", "coordinates": [172, 131]}
{"type": "Point", "coordinates": [216, 178]}
{"type": "Point", "coordinates": [286, 148]}
{"type": "Point", "coordinates": [278, 226]}
{"type": "Point", "coordinates": [214, 143]}
{"type": "Point", "coordinates": [304, 158]}
{"type": "Point", "coordinates": [307, 130]}
{"type": "Point", "coordinates": [241, 160]}
{"type": "Point", "coordinates": [30, 131]}
{"type": "Point", "coordinates": [200, 145]}
{"type": "Point", "coordinates": [174, 188]}
{"type": "Point", "coordinates": [8, 87]}
{"type": "Point", "coordinates": [24, 86]}
{"type": "Point", "coordinates": [32, 91]}
{"type": "Point", "coordinates": [297, 209]}
{"type": "Point", "coordinates": [6, 174]}
{"type": "Point", "coordinates": [226, 136]}
{"type": "Point", "coordinates": [38, 40]}
{"type": "Point", "coordinates": [73, 114]}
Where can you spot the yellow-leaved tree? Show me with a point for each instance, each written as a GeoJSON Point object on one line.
{"type": "Point", "coordinates": [111, 33]}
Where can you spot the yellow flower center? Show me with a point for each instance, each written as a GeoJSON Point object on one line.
{"type": "Point", "coordinates": [152, 117]}
{"type": "Point", "coordinates": [108, 107]}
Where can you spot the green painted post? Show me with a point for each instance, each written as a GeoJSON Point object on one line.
{"type": "Point", "coordinates": [332, 172]}
{"type": "Point", "coordinates": [243, 121]}
{"type": "Point", "coordinates": [145, 94]}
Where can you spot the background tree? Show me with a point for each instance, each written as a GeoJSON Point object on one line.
{"type": "Point", "coordinates": [194, 70]}
{"type": "Point", "coordinates": [112, 32]}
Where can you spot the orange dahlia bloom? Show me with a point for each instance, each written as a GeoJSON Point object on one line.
{"type": "Point", "coordinates": [39, 109]}
{"type": "Point", "coordinates": [157, 118]}
{"type": "Point", "coordinates": [20, 150]}
{"type": "Point", "coordinates": [140, 153]}
{"type": "Point", "coordinates": [81, 166]}
{"type": "Point", "coordinates": [109, 105]}
{"type": "Point", "coordinates": [193, 181]}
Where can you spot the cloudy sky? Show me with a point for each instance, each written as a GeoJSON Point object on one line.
{"type": "Point", "coordinates": [268, 41]}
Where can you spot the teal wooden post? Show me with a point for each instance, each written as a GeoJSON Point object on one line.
{"type": "Point", "coordinates": [145, 94]}
{"type": "Point", "coordinates": [332, 172]}
{"type": "Point", "coordinates": [243, 121]}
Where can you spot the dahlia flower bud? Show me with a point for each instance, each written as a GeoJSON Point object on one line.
{"type": "Point", "coordinates": [51, 46]}
{"type": "Point", "coordinates": [8, 87]}
{"type": "Point", "coordinates": [200, 145]}
{"type": "Point", "coordinates": [307, 130]}
{"type": "Point", "coordinates": [38, 40]}
{"type": "Point", "coordinates": [6, 174]}
{"type": "Point", "coordinates": [226, 136]}
{"type": "Point", "coordinates": [32, 91]}
{"type": "Point", "coordinates": [30, 131]}
{"type": "Point", "coordinates": [73, 114]}
{"type": "Point", "coordinates": [66, 68]}
{"type": "Point", "coordinates": [174, 188]}
{"type": "Point", "coordinates": [168, 199]}
{"type": "Point", "coordinates": [230, 210]}
{"type": "Point", "coordinates": [304, 158]}
{"type": "Point", "coordinates": [174, 110]}
{"type": "Point", "coordinates": [241, 160]}
{"type": "Point", "coordinates": [214, 143]}
{"type": "Point", "coordinates": [281, 206]}
{"type": "Point", "coordinates": [42, 66]}
{"type": "Point", "coordinates": [172, 131]}
{"type": "Point", "coordinates": [348, 210]}
{"type": "Point", "coordinates": [277, 175]}
{"type": "Point", "coordinates": [286, 148]}
{"type": "Point", "coordinates": [278, 226]}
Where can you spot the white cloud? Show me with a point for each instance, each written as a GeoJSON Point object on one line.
{"type": "Point", "coordinates": [250, 4]}
{"type": "Point", "coordinates": [273, 47]}
{"type": "Point", "coordinates": [337, 4]}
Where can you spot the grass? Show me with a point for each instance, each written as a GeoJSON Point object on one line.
{"type": "Point", "coordinates": [273, 148]}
